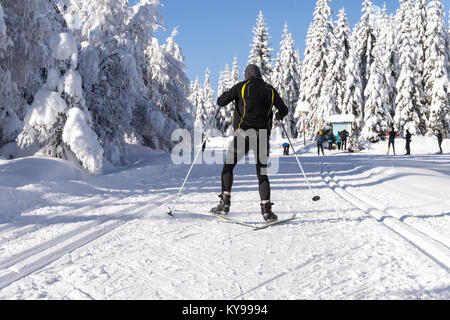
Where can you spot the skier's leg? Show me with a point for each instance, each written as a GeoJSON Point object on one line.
{"type": "Point", "coordinates": [234, 154]}
{"type": "Point", "coordinates": [262, 152]}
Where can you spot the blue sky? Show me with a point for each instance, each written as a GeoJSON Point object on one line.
{"type": "Point", "coordinates": [212, 32]}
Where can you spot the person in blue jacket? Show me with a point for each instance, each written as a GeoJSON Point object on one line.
{"type": "Point", "coordinates": [319, 140]}
{"type": "Point", "coordinates": [286, 147]}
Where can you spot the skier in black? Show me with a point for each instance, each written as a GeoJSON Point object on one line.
{"type": "Point", "coordinates": [408, 142]}
{"type": "Point", "coordinates": [440, 139]}
{"type": "Point", "coordinates": [252, 123]}
{"type": "Point", "coordinates": [392, 135]}
{"type": "Point", "coordinates": [344, 136]}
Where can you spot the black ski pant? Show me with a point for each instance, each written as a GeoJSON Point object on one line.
{"type": "Point", "coordinates": [258, 141]}
{"type": "Point", "coordinates": [408, 147]}
{"type": "Point", "coordinates": [391, 143]}
{"type": "Point", "coordinates": [320, 147]}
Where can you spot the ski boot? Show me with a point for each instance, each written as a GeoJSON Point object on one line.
{"type": "Point", "coordinates": [224, 206]}
{"type": "Point", "coordinates": [266, 211]}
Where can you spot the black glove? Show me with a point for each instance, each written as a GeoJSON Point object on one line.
{"type": "Point", "coordinates": [278, 116]}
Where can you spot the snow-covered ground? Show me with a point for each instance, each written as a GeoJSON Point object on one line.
{"type": "Point", "coordinates": [380, 231]}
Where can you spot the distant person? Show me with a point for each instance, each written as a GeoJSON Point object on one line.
{"type": "Point", "coordinates": [331, 140]}
{"type": "Point", "coordinates": [204, 142]}
{"type": "Point", "coordinates": [344, 137]}
{"type": "Point", "coordinates": [338, 140]}
{"type": "Point", "coordinates": [392, 135]}
{"type": "Point", "coordinates": [319, 140]}
{"type": "Point", "coordinates": [408, 142]}
{"type": "Point", "coordinates": [440, 139]}
{"type": "Point", "coordinates": [286, 147]}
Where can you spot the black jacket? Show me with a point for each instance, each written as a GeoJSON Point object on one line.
{"type": "Point", "coordinates": [253, 100]}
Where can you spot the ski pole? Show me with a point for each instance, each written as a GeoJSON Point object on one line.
{"type": "Point", "coordinates": [315, 198]}
{"type": "Point", "coordinates": [170, 213]}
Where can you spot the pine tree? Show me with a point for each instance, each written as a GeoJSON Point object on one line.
{"type": "Point", "coordinates": [260, 53]}
{"type": "Point", "coordinates": [208, 97]}
{"type": "Point", "coordinates": [10, 124]}
{"type": "Point", "coordinates": [376, 111]}
{"type": "Point", "coordinates": [314, 65]}
{"type": "Point", "coordinates": [358, 70]}
{"type": "Point", "coordinates": [197, 99]}
{"type": "Point", "coordinates": [387, 43]}
{"type": "Point", "coordinates": [286, 79]}
{"type": "Point", "coordinates": [419, 28]}
{"type": "Point", "coordinates": [437, 62]}
{"type": "Point", "coordinates": [409, 98]}
{"type": "Point", "coordinates": [340, 45]}
{"type": "Point", "coordinates": [235, 76]}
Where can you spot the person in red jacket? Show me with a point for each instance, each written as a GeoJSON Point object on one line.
{"type": "Point", "coordinates": [392, 135]}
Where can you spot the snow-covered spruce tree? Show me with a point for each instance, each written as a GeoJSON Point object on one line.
{"type": "Point", "coordinates": [25, 30]}
{"type": "Point", "coordinates": [315, 67]}
{"type": "Point", "coordinates": [387, 43]}
{"type": "Point", "coordinates": [208, 95]}
{"type": "Point", "coordinates": [437, 62]}
{"type": "Point", "coordinates": [358, 71]}
{"type": "Point", "coordinates": [332, 98]}
{"type": "Point", "coordinates": [108, 69]}
{"type": "Point", "coordinates": [167, 107]}
{"type": "Point", "coordinates": [419, 31]}
{"type": "Point", "coordinates": [223, 120]}
{"type": "Point", "coordinates": [235, 76]}
{"type": "Point", "coordinates": [409, 98]}
{"type": "Point", "coordinates": [10, 124]}
{"type": "Point", "coordinates": [197, 99]}
{"type": "Point", "coordinates": [260, 53]}
{"type": "Point", "coordinates": [340, 45]}
{"type": "Point", "coordinates": [376, 111]}
{"type": "Point", "coordinates": [58, 122]}
{"type": "Point", "coordinates": [286, 79]}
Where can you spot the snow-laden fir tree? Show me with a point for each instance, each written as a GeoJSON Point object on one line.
{"type": "Point", "coordinates": [229, 79]}
{"type": "Point", "coordinates": [437, 79]}
{"type": "Point", "coordinates": [419, 30]}
{"type": "Point", "coordinates": [387, 43]}
{"type": "Point", "coordinates": [208, 93]}
{"type": "Point", "coordinates": [377, 119]}
{"type": "Point", "coordinates": [409, 98]}
{"type": "Point", "coordinates": [25, 30]}
{"type": "Point", "coordinates": [235, 76]}
{"type": "Point", "coordinates": [223, 120]}
{"type": "Point", "coordinates": [341, 46]}
{"type": "Point", "coordinates": [260, 53]}
{"type": "Point", "coordinates": [358, 70]}
{"type": "Point", "coordinates": [353, 98]}
{"type": "Point", "coordinates": [196, 98]}
{"type": "Point", "coordinates": [58, 121]}
{"type": "Point", "coordinates": [314, 65]}
{"type": "Point", "coordinates": [286, 80]}
{"type": "Point", "coordinates": [10, 124]}
{"type": "Point", "coordinates": [331, 101]}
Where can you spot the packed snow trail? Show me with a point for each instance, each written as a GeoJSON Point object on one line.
{"type": "Point", "coordinates": [62, 244]}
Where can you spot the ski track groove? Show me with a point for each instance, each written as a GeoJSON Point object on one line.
{"type": "Point", "coordinates": [432, 248]}
{"type": "Point", "coordinates": [16, 267]}
{"type": "Point", "coordinates": [19, 231]}
{"type": "Point", "coordinates": [394, 213]}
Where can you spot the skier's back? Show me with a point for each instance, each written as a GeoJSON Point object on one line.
{"type": "Point", "coordinates": [252, 123]}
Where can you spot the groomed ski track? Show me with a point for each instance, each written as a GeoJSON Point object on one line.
{"type": "Point", "coordinates": [361, 241]}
